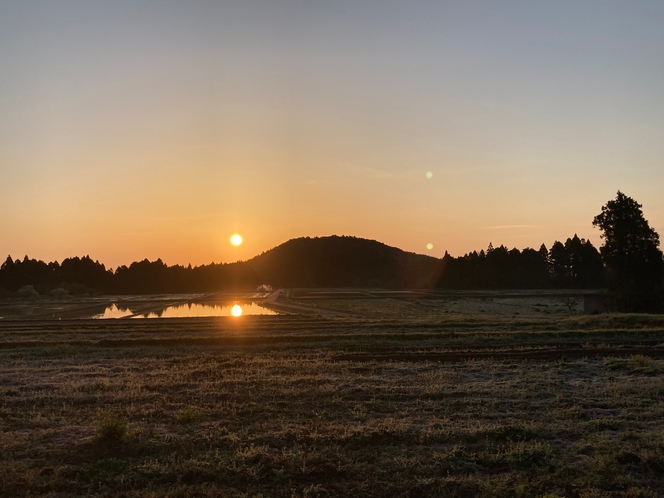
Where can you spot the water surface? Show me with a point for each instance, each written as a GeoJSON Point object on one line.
{"type": "Point", "coordinates": [189, 310]}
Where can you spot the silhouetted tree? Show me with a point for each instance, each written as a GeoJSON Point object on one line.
{"type": "Point", "coordinates": [84, 274]}
{"type": "Point", "coordinates": [8, 277]}
{"type": "Point", "coordinates": [497, 268]}
{"type": "Point", "coordinates": [631, 254]}
{"type": "Point", "coordinates": [577, 264]}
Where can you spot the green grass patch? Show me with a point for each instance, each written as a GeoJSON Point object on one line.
{"type": "Point", "coordinates": [112, 429]}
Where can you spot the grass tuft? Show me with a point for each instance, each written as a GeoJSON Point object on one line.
{"type": "Point", "coordinates": [187, 415]}
{"type": "Point", "coordinates": [112, 429]}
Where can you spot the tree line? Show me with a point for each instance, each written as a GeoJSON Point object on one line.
{"type": "Point", "coordinates": [85, 276]}
{"type": "Point", "coordinates": [629, 263]}
{"type": "Point", "coordinates": [576, 264]}
{"type": "Point", "coordinates": [327, 261]}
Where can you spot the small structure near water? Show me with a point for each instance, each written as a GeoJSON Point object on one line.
{"type": "Point", "coordinates": [264, 288]}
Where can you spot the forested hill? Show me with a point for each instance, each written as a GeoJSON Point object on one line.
{"type": "Point", "coordinates": [305, 262]}
{"type": "Point", "coordinates": [343, 262]}
{"type": "Point", "coordinates": [319, 262]}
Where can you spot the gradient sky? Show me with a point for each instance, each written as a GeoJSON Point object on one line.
{"type": "Point", "coordinates": [133, 129]}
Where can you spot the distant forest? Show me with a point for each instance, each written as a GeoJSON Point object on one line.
{"type": "Point", "coordinates": [320, 262]}
{"type": "Point", "coordinates": [576, 264]}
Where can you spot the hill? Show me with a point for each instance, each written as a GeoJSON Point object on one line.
{"type": "Point", "coordinates": [342, 262]}
{"type": "Point", "coordinates": [335, 261]}
{"type": "Point", "coordinates": [304, 262]}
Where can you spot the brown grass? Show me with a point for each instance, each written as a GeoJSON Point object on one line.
{"type": "Point", "coordinates": [268, 409]}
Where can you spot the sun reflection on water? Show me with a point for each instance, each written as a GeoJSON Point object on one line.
{"type": "Point", "coordinates": [187, 310]}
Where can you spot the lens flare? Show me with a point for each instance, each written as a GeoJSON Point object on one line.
{"type": "Point", "coordinates": [236, 239]}
{"type": "Point", "coordinates": [429, 175]}
{"type": "Point", "coordinates": [429, 246]}
{"type": "Point", "coordinates": [236, 310]}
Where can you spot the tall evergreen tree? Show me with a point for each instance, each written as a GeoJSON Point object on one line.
{"type": "Point", "coordinates": [631, 254]}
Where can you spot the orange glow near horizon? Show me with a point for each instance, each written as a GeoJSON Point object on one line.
{"type": "Point", "coordinates": [310, 119]}
{"type": "Point", "coordinates": [237, 310]}
{"type": "Point", "coordinates": [236, 239]}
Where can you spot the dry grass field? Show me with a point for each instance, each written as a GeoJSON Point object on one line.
{"type": "Point", "coordinates": [395, 402]}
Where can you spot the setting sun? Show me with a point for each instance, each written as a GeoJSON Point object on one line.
{"type": "Point", "coordinates": [237, 310]}
{"type": "Point", "coordinates": [236, 239]}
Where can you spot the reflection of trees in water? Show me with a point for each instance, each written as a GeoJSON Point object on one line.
{"type": "Point", "coordinates": [145, 310]}
{"type": "Point", "coordinates": [208, 304]}
{"type": "Point", "coordinates": [123, 308]}
{"type": "Point", "coordinates": [137, 309]}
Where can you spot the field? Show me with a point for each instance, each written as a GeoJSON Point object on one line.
{"type": "Point", "coordinates": [388, 396]}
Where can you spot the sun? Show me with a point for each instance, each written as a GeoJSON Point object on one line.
{"type": "Point", "coordinates": [236, 310]}
{"type": "Point", "coordinates": [236, 239]}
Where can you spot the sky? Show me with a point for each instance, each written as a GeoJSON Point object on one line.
{"type": "Point", "coordinates": [158, 129]}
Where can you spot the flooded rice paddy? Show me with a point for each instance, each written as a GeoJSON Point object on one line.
{"type": "Point", "coordinates": [190, 310]}
{"type": "Point", "coordinates": [180, 306]}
